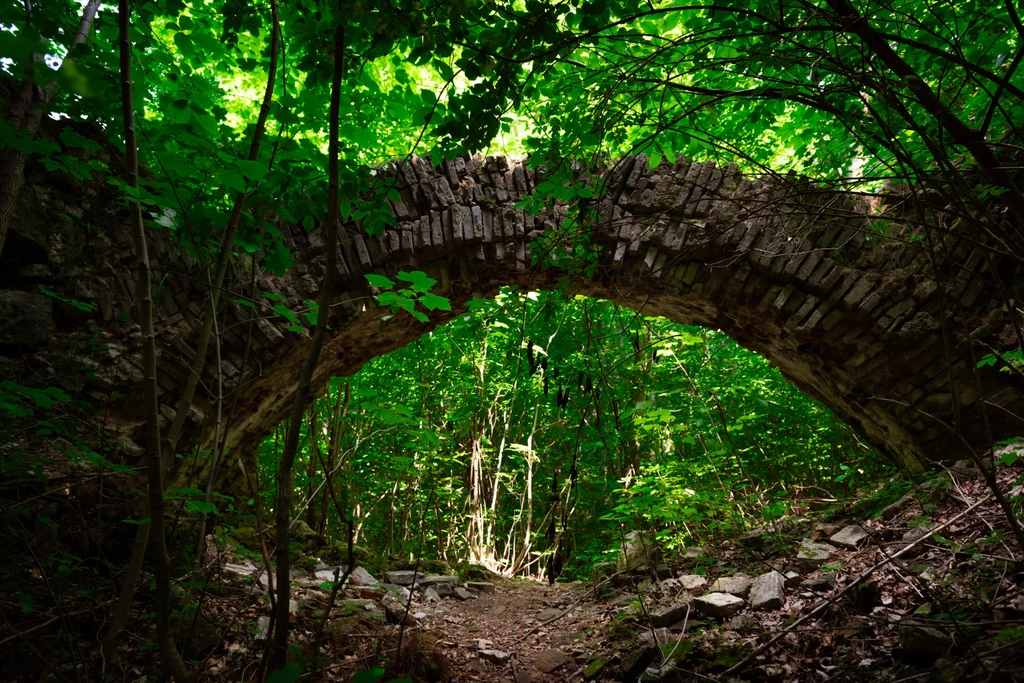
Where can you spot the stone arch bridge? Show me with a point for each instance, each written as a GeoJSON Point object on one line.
{"type": "Point", "coordinates": [787, 269]}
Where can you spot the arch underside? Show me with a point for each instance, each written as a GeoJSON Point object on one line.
{"type": "Point", "coordinates": [785, 268]}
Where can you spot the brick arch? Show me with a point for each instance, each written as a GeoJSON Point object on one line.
{"type": "Point", "coordinates": [787, 269]}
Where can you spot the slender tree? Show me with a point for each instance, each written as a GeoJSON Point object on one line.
{"type": "Point", "coordinates": [332, 225]}
{"type": "Point", "coordinates": [169, 445]}
{"type": "Point", "coordinates": [154, 469]}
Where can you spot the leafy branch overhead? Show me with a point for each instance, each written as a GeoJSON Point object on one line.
{"type": "Point", "coordinates": [397, 298]}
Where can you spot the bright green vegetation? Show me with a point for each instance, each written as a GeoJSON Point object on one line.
{"type": "Point", "coordinates": [534, 409]}
{"type": "Point", "coordinates": [534, 428]}
{"type": "Point", "coordinates": [778, 86]}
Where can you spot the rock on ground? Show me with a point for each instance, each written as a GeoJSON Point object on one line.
{"type": "Point", "coordinates": [823, 584]}
{"type": "Point", "coordinates": [495, 656]}
{"type": "Point", "coordinates": [743, 623]}
{"type": "Point", "coordinates": [688, 582]}
{"type": "Point", "coordinates": [655, 638]}
{"type": "Point", "coordinates": [481, 586]}
{"type": "Point", "coordinates": [692, 554]}
{"type": "Point", "coordinates": [402, 577]}
{"type": "Point", "coordinates": [637, 550]}
{"type": "Point", "coordinates": [361, 577]}
{"type": "Point", "coordinates": [395, 611]}
{"type": "Point", "coordinates": [435, 579]}
{"type": "Point", "coordinates": [443, 589]}
{"type": "Point", "coordinates": [913, 535]}
{"type": "Point", "coordinates": [671, 614]}
{"type": "Point", "coordinates": [549, 613]}
{"type": "Point", "coordinates": [635, 662]}
{"type": "Point", "coordinates": [593, 668]}
{"type": "Point", "coordinates": [812, 555]}
{"type": "Point", "coordinates": [719, 605]}
{"type": "Point", "coordinates": [768, 592]}
{"type": "Point", "coordinates": [924, 642]}
{"type": "Point", "coordinates": [754, 537]}
{"type": "Point", "coordinates": [262, 629]}
{"type": "Point", "coordinates": [358, 577]}
{"type": "Point", "coordinates": [738, 585]}
{"type": "Point", "coordinates": [549, 660]}
{"type": "Point", "coordinates": [849, 537]}
{"type": "Point", "coordinates": [896, 508]}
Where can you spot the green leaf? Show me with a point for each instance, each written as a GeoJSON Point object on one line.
{"type": "Point", "coordinates": [25, 602]}
{"type": "Point", "coordinates": [288, 674]}
{"type": "Point", "coordinates": [1008, 459]}
{"type": "Point", "coordinates": [418, 279]}
{"type": "Point", "coordinates": [285, 313]}
{"type": "Point", "coordinates": [379, 281]}
{"type": "Point", "coordinates": [201, 507]}
{"type": "Point", "coordinates": [434, 302]}
{"type": "Point", "coordinates": [368, 676]}
{"type": "Point", "coordinates": [394, 299]}
{"type": "Point", "coordinates": [253, 170]}
{"type": "Point", "coordinates": [280, 259]}
{"type": "Point", "coordinates": [72, 139]}
{"type": "Point", "coordinates": [311, 314]}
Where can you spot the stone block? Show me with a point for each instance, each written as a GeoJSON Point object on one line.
{"type": "Point", "coordinates": [718, 605]}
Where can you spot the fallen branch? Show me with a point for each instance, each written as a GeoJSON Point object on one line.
{"type": "Point", "coordinates": [46, 623]}
{"type": "Point", "coordinates": [820, 607]}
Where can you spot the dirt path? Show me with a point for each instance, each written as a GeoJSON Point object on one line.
{"type": "Point", "coordinates": [523, 631]}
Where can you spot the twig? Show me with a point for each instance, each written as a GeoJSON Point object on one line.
{"type": "Point", "coordinates": [820, 607]}
{"type": "Point", "coordinates": [338, 582]}
{"type": "Point", "coordinates": [50, 666]}
{"type": "Point", "coordinates": [49, 621]}
{"type": "Point", "coordinates": [259, 533]}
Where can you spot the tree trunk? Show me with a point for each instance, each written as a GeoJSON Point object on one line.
{"type": "Point", "coordinates": [185, 403]}
{"type": "Point", "coordinates": [162, 569]}
{"type": "Point", "coordinates": [25, 113]}
{"type": "Point", "coordinates": [311, 462]}
{"type": "Point", "coordinates": [279, 649]}
{"type": "Point", "coordinates": [131, 577]}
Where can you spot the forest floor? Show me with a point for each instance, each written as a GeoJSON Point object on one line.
{"type": "Point", "coordinates": [927, 588]}
{"type": "Point", "coordinates": [524, 630]}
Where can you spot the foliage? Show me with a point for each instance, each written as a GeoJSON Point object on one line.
{"type": "Point", "coordinates": [536, 408]}
{"type": "Point", "coordinates": [405, 299]}
{"type": "Point", "coordinates": [536, 426]}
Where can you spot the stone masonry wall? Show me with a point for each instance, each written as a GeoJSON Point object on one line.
{"type": "Point", "coordinates": [788, 269]}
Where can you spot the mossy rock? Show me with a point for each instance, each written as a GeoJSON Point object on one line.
{"type": "Point", "coordinates": [337, 554]}
{"type": "Point", "coordinates": [594, 667]}
{"type": "Point", "coordinates": [435, 567]}
{"type": "Point", "coordinates": [478, 572]}
{"type": "Point", "coordinates": [246, 537]}
{"type": "Point", "coordinates": [621, 628]}
{"type": "Point", "coordinates": [677, 650]}
{"type": "Point", "coordinates": [302, 533]}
